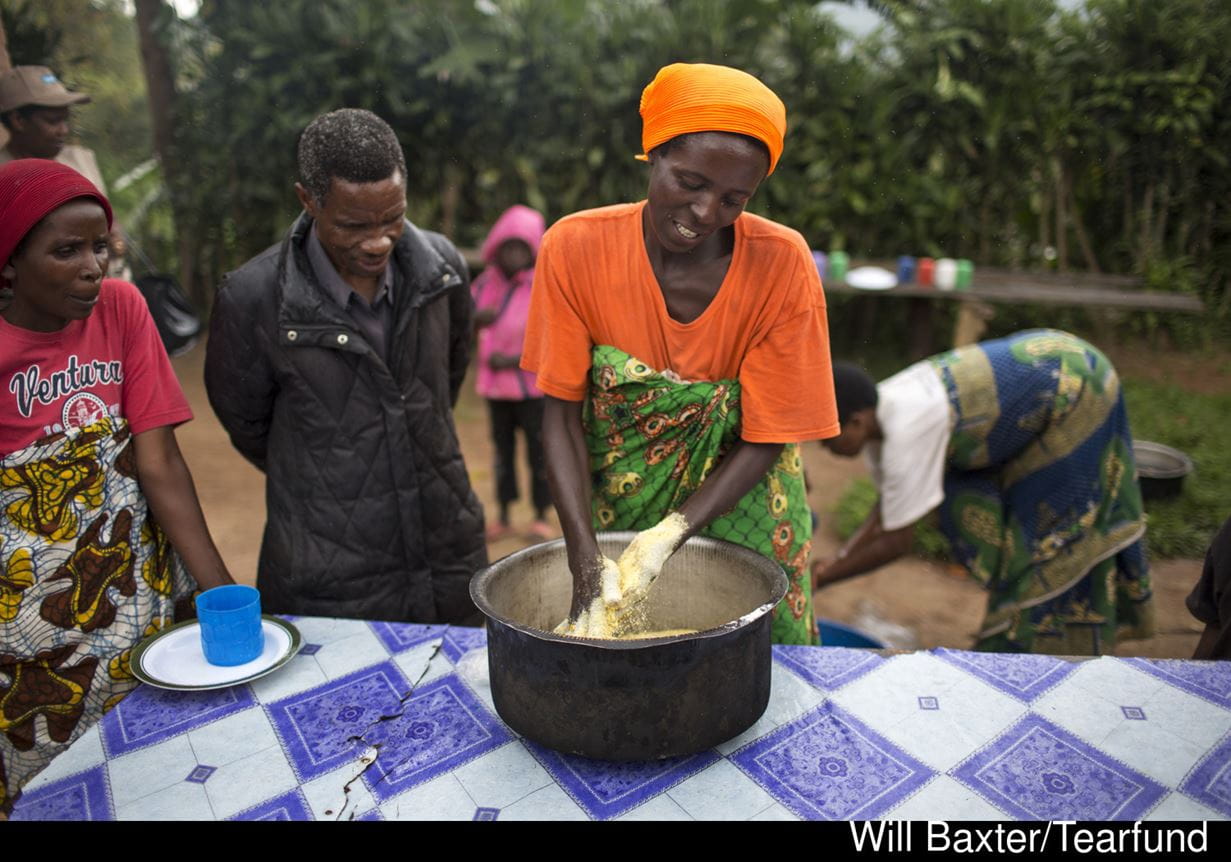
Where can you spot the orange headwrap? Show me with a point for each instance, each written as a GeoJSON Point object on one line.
{"type": "Point", "coordinates": [698, 97]}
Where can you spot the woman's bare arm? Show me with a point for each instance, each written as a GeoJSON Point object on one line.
{"type": "Point", "coordinates": [172, 499]}
{"type": "Point", "coordinates": [736, 475]}
{"type": "Point", "coordinates": [568, 475]}
{"type": "Point", "coordinates": [871, 547]}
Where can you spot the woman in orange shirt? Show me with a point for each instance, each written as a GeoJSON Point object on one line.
{"type": "Point", "coordinates": [673, 338]}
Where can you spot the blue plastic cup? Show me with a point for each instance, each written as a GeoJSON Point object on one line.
{"type": "Point", "coordinates": [230, 620]}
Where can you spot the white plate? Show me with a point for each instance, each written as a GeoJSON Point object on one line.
{"type": "Point", "coordinates": [871, 278]}
{"type": "Point", "coordinates": [173, 658]}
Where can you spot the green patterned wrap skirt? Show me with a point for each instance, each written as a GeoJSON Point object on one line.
{"type": "Point", "coordinates": [652, 441]}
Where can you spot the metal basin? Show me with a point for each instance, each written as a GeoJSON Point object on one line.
{"type": "Point", "coordinates": [1160, 469]}
{"type": "Point", "coordinates": [632, 699]}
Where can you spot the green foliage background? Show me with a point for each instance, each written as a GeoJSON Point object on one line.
{"type": "Point", "coordinates": [1015, 132]}
{"type": "Point", "coordinates": [1196, 424]}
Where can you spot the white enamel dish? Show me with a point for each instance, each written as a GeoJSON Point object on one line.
{"type": "Point", "coordinates": [871, 278]}
{"type": "Point", "coordinates": [173, 658]}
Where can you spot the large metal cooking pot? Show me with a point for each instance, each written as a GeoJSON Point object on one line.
{"type": "Point", "coordinates": [632, 699]}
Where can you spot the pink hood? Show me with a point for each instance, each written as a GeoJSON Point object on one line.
{"type": "Point", "coordinates": [517, 222]}
{"type": "Point", "coordinates": [512, 297]}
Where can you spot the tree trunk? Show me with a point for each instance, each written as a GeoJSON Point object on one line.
{"type": "Point", "coordinates": [159, 81]}
{"type": "Point", "coordinates": [449, 197]}
{"type": "Point", "coordinates": [1146, 232]}
{"type": "Point", "coordinates": [1062, 231]}
{"type": "Point", "coordinates": [1083, 239]}
{"type": "Point", "coordinates": [160, 84]}
{"type": "Point", "coordinates": [1044, 210]}
{"type": "Point", "coordinates": [1164, 214]}
{"type": "Point", "coordinates": [985, 230]}
{"type": "Point", "coordinates": [6, 62]}
{"type": "Point", "coordinates": [1205, 243]}
{"type": "Point", "coordinates": [1185, 241]}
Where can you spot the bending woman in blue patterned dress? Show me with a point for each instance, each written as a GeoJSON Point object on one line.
{"type": "Point", "coordinates": [1024, 445]}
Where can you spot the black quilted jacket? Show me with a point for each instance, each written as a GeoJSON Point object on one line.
{"type": "Point", "coordinates": [370, 510]}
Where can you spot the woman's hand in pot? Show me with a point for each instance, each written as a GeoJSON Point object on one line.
{"type": "Point", "coordinates": [587, 583]}
{"type": "Point", "coordinates": [643, 560]}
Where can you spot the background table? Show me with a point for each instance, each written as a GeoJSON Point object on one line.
{"type": "Point", "coordinates": [1105, 297]}
{"type": "Point", "coordinates": [388, 721]}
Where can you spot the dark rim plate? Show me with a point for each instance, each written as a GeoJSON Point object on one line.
{"type": "Point", "coordinates": [142, 648]}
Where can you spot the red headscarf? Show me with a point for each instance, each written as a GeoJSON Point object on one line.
{"type": "Point", "coordinates": [699, 97]}
{"type": "Point", "coordinates": [32, 188]}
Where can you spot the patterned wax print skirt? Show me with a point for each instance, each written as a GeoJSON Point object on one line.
{"type": "Point", "coordinates": [1041, 501]}
{"type": "Point", "coordinates": [85, 574]}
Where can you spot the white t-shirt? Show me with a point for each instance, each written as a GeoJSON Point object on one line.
{"type": "Point", "coordinates": [78, 158]}
{"type": "Point", "coordinates": [908, 466]}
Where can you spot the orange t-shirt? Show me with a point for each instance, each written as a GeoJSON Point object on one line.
{"type": "Point", "coordinates": [766, 327]}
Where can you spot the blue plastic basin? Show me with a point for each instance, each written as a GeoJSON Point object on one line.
{"type": "Point", "coordinates": [837, 634]}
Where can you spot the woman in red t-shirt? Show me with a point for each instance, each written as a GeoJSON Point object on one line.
{"type": "Point", "coordinates": [92, 483]}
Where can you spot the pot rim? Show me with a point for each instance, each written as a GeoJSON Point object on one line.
{"type": "Point", "coordinates": [478, 593]}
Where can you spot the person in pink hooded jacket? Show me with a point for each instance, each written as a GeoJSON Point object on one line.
{"type": "Point", "coordinates": [502, 300]}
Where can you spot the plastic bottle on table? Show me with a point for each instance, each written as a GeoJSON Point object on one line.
{"type": "Point", "coordinates": [965, 273]}
{"type": "Point", "coordinates": [906, 269]}
{"type": "Point", "coordinates": [822, 264]}
{"type": "Point", "coordinates": [946, 273]}
{"type": "Point", "coordinates": [838, 261]}
{"type": "Point", "coordinates": [926, 271]}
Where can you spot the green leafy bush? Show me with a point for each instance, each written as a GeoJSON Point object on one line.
{"type": "Point", "coordinates": [1197, 425]}
{"type": "Point", "coordinates": [1019, 133]}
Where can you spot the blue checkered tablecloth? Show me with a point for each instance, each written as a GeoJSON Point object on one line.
{"type": "Point", "coordinates": [381, 721]}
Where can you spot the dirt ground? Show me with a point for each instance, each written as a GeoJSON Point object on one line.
{"type": "Point", "coordinates": [936, 605]}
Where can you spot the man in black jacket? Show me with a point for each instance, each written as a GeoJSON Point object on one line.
{"type": "Point", "coordinates": [334, 361]}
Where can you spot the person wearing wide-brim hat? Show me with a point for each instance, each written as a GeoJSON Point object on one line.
{"type": "Point", "coordinates": [685, 331]}
{"type": "Point", "coordinates": [35, 110]}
